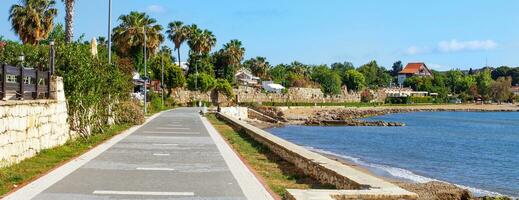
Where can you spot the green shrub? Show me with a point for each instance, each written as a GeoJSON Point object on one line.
{"type": "Point", "coordinates": [366, 96]}
{"type": "Point", "coordinates": [129, 112]}
{"type": "Point", "coordinates": [426, 99]}
{"type": "Point", "coordinates": [91, 85]}
{"type": "Point", "coordinates": [223, 86]}
{"type": "Point", "coordinates": [203, 82]}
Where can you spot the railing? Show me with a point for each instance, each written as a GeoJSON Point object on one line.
{"type": "Point", "coordinates": [23, 83]}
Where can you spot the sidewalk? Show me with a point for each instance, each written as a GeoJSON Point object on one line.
{"type": "Point", "coordinates": [175, 155]}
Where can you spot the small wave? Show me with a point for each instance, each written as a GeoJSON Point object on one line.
{"type": "Point", "coordinates": [403, 173]}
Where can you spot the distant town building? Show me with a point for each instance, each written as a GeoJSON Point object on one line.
{"type": "Point", "coordinates": [515, 90]}
{"type": "Point", "coordinates": [184, 66]}
{"type": "Point", "coordinates": [413, 69]}
{"type": "Point", "coordinates": [245, 77]}
{"type": "Point", "coordinates": [270, 86]}
{"type": "Point", "coordinates": [404, 92]}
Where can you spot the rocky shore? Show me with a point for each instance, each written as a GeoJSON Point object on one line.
{"type": "Point", "coordinates": [351, 122]}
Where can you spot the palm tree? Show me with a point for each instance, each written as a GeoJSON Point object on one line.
{"type": "Point", "coordinates": [208, 41]}
{"type": "Point", "coordinates": [33, 20]}
{"type": "Point", "coordinates": [69, 20]}
{"type": "Point", "coordinates": [128, 37]}
{"type": "Point", "coordinates": [235, 51]}
{"type": "Point", "coordinates": [200, 41]}
{"type": "Point", "coordinates": [178, 34]}
{"type": "Point", "coordinates": [259, 66]}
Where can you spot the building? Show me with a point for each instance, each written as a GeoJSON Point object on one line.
{"type": "Point", "coordinates": [404, 92]}
{"type": "Point", "coordinates": [270, 86]}
{"type": "Point", "coordinates": [413, 69]}
{"type": "Point", "coordinates": [245, 77]}
{"type": "Point", "coordinates": [515, 90]}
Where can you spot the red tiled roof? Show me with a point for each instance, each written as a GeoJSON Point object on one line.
{"type": "Point", "coordinates": [412, 68]}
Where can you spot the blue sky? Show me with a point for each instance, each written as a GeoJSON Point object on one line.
{"type": "Point", "coordinates": [443, 33]}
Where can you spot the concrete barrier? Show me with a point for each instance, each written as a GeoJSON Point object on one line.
{"type": "Point", "coordinates": [350, 182]}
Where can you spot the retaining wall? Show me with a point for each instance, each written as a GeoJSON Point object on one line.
{"type": "Point", "coordinates": [350, 182]}
{"type": "Point", "coordinates": [27, 127]}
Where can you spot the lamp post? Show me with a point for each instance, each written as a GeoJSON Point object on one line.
{"type": "Point", "coordinates": [162, 78]}
{"type": "Point", "coordinates": [145, 71]}
{"type": "Point", "coordinates": [52, 57]}
{"type": "Point", "coordinates": [109, 31]}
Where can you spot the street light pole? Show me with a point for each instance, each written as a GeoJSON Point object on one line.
{"type": "Point", "coordinates": [109, 31]}
{"type": "Point", "coordinates": [145, 71]}
{"type": "Point", "coordinates": [162, 78]}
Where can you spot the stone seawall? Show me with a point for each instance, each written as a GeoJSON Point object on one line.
{"type": "Point", "coordinates": [255, 95]}
{"type": "Point", "coordinates": [350, 182]}
{"type": "Point", "coordinates": [27, 127]}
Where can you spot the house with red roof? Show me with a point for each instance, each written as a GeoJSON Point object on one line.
{"type": "Point", "coordinates": [413, 69]}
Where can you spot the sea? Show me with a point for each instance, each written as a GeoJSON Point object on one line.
{"type": "Point", "coordinates": [478, 151]}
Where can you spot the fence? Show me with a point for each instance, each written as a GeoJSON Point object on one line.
{"type": "Point", "coordinates": [23, 83]}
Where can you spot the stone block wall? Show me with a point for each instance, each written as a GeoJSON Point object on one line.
{"type": "Point", "coordinates": [350, 182]}
{"type": "Point", "coordinates": [27, 127]}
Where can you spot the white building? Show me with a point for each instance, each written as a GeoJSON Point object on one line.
{"type": "Point", "coordinates": [245, 77]}
{"type": "Point", "coordinates": [272, 87]}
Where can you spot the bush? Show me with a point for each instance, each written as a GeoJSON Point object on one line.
{"type": "Point", "coordinates": [91, 85]}
{"type": "Point", "coordinates": [366, 96]}
{"type": "Point", "coordinates": [203, 82]}
{"type": "Point", "coordinates": [155, 103]}
{"type": "Point", "coordinates": [128, 112]}
{"type": "Point", "coordinates": [426, 99]}
{"type": "Point", "coordinates": [223, 86]}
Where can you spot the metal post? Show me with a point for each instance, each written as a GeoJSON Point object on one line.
{"type": "Point", "coordinates": [162, 78]}
{"type": "Point", "coordinates": [109, 31]}
{"type": "Point", "coordinates": [21, 83]}
{"type": "Point", "coordinates": [145, 71]}
{"type": "Point", "coordinates": [52, 57]}
{"type": "Point", "coordinates": [21, 58]}
{"type": "Point", "coordinates": [37, 83]}
{"type": "Point", "coordinates": [4, 77]}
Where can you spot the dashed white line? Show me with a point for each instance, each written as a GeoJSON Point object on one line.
{"type": "Point", "coordinates": [161, 154]}
{"type": "Point", "coordinates": [169, 133]}
{"type": "Point", "coordinates": [144, 193]}
{"type": "Point", "coordinates": [171, 128]}
{"type": "Point", "coordinates": [165, 144]}
{"type": "Point", "coordinates": [154, 169]}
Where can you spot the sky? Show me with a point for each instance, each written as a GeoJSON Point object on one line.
{"type": "Point", "coordinates": [444, 34]}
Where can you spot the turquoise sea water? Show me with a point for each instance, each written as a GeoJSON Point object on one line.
{"type": "Point", "coordinates": [475, 150]}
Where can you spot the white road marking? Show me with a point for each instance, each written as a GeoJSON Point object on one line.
{"type": "Point", "coordinates": [168, 128]}
{"type": "Point", "coordinates": [144, 193]}
{"type": "Point", "coordinates": [155, 169]}
{"type": "Point", "coordinates": [161, 154]}
{"type": "Point", "coordinates": [168, 132]}
{"type": "Point", "coordinates": [165, 144]}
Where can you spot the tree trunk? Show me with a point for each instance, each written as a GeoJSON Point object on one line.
{"type": "Point", "coordinates": [69, 20]}
{"type": "Point", "coordinates": [178, 53]}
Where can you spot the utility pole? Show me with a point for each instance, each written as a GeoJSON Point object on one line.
{"type": "Point", "coordinates": [110, 32]}
{"type": "Point", "coordinates": [145, 71]}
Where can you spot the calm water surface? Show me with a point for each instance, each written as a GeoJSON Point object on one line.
{"type": "Point", "coordinates": [475, 150]}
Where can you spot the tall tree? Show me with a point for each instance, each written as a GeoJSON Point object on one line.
{"type": "Point", "coordinates": [231, 56]}
{"type": "Point", "coordinates": [396, 68]}
{"type": "Point", "coordinates": [69, 20]}
{"type": "Point", "coordinates": [178, 34]}
{"type": "Point", "coordinates": [259, 66]}
{"type": "Point", "coordinates": [128, 37]}
{"type": "Point", "coordinates": [33, 20]}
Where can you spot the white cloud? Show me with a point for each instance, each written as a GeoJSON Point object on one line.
{"type": "Point", "coordinates": [453, 46]}
{"type": "Point", "coordinates": [155, 9]}
{"type": "Point", "coordinates": [414, 50]}
{"type": "Point", "coordinates": [473, 45]}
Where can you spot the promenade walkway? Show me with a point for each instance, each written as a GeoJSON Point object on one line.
{"type": "Point", "coordinates": [176, 155]}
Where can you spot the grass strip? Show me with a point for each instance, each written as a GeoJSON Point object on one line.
{"type": "Point", "coordinates": [278, 174]}
{"type": "Point", "coordinates": [32, 168]}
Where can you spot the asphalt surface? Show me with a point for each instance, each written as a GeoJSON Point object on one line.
{"type": "Point", "coordinates": [171, 157]}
